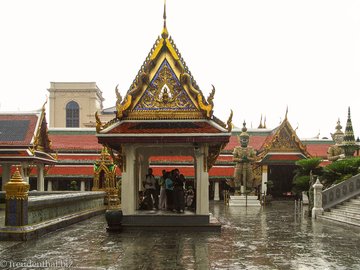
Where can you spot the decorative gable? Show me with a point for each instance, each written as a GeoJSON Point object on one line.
{"type": "Point", "coordinates": [42, 141]}
{"type": "Point", "coordinates": [163, 89]}
{"type": "Point", "coordinates": [165, 92]}
{"type": "Point", "coordinates": [283, 140]}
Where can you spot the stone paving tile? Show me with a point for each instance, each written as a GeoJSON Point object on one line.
{"type": "Point", "coordinates": [272, 238]}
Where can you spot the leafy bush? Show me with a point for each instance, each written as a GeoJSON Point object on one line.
{"type": "Point", "coordinates": [307, 165]}
{"type": "Point", "coordinates": [341, 170]}
{"type": "Point", "coordinates": [301, 183]}
{"type": "Point", "coordinates": [302, 173]}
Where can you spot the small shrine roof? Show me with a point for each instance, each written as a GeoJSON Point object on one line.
{"type": "Point", "coordinates": [18, 129]}
{"type": "Point", "coordinates": [24, 137]}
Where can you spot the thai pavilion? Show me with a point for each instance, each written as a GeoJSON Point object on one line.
{"type": "Point", "coordinates": [163, 121]}
{"type": "Point", "coordinates": [164, 113]}
{"type": "Point", "coordinates": [24, 141]}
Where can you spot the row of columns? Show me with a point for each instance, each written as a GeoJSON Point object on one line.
{"type": "Point", "coordinates": [135, 169]}
{"type": "Point", "coordinates": [49, 185]}
{"type": "Point", "coordinates": [6, 175]}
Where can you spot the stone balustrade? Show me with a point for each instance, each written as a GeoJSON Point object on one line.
{"type": "Point", "coordinates": [46, 207]}
{"type": "Point", "coordinates": [341, 192]}
{"type": "Point", "coordinates": [29, 216]}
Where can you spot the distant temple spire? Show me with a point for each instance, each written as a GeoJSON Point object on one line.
{"type": "Point", "coordinates": [164, 33]}
{"type": "Point", "coordinates": [264, 126]}
{"type": "Point", "coordinates": [349, 143]}
{"type": "Point", "coordinates": [261, 125]}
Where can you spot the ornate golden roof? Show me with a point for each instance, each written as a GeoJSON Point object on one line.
{"type": "Point", "coordinates": [164, 87]}
{"type": "Point", "coordinates": [283, 139]}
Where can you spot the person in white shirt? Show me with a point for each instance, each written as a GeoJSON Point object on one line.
{"type": "Point", "coordinates": [150, 188]}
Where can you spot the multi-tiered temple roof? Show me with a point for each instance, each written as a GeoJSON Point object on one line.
{"type": "Point", "coordinates": [165, 105]}
{"type": "Point", "coordinates": [24, 137]}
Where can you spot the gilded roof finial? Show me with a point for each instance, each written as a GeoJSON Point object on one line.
{"type": "Point", "coordinates": [164, 33]}
{"type": "Point", "coordinates": [229, 122]}
{"type": "Point", "coordinates": [260, 125]}
{"type": "Point", "coordinates": [43, 106]}
{"type": "Point", "coordinates": [286, 113]}
{"type": "Point", "coordinates": [264, 126]}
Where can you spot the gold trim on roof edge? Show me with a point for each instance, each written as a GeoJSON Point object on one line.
{"type": "Point", "coordinates": [142, 80]}
{"type": "Point", "coordinates": [285, 146]}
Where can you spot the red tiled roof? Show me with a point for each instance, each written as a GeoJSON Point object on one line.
{"type": "Point", "coordinates": [221, 171]}
{"type": "Point", "coordinates": [318, 150]}
{"type": "Point", "coordinates": [163, 127]}
{"type": "Point", "coordinates": [74, 170]}
{"type": "Point", "coordinates": [10, 121]}
{"type": "Point", "coordinates": [78, 157]}
{"type": "Point", "coordinates": [255, 141]}
{"type": "Point", "coordinates": [171, 158]}
{"type": "Point", "coordinates": [228, 158]}
{"type": "Point", "coordinates": [232, 143]}
{"type": "Point", "coordinates": [284, 157]}
{"type": "Point", "coordinates": [71, 170]}
{"type": "Point", "coordinates": [189, 171]}
{"type": "Point", "coordinates": [74, 142]}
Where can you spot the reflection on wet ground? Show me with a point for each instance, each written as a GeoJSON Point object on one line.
{"type": "Point", "coordinates": [275, 237]}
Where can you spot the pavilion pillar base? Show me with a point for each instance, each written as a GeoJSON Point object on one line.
{"type": "Point", "coordinates": [173, 222]}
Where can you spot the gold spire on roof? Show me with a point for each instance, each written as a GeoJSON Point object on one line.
{"type": "Point", "coordinates": [286, 113]}
{"type": "Point", "coordinates": [264, 126]}
{"type": "Point", "coordinates": [260, 125]}
{"type": "Point", "coordinates": [164, 33]}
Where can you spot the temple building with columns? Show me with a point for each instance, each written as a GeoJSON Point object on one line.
{"type": "Point", "coordinates": [24, 142]}
{"type": "Point", "coordinates": [163, 121]}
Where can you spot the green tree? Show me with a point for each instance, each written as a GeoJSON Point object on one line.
{"type": "Point", "coordinates": [301, 180]}
{"type": "Point", "coordinates": [73, 185]}
{"type": "Point", "coordinates": [340, 170]}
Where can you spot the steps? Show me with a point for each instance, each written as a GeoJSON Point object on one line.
{"type": "Point", "coordinates": [241, 201]}
{"type": "Point", "coordinates": [347, 212]}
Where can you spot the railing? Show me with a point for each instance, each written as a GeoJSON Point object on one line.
{"type": "Point", "coordinates": [341, 192]}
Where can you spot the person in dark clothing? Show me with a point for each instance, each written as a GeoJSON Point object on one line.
{"type": "Point", "coordinates": [169, 189]}
{"type": "Point", "coordinates": [179, 199]}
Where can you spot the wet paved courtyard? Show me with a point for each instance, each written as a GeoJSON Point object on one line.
{"type": "Point", "coordinates": [275, 237]}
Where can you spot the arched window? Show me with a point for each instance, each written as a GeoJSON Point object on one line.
{"type": "Point", "coordinates": [72, 114]}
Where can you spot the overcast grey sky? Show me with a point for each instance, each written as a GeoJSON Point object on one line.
{"type": "Point", "coordinates": [261, 56]}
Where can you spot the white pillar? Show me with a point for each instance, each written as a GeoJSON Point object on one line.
{"type": "Point", "coordinates": [82, 185]}
{"type": "Point", "coordinates": [128, 198]}
{"type": "Point", "coordinates": [264, 179]}
{"type": "Point", "coordinates": [202, 183]}
{"type": "Point", "coordinates": [317, 209]}
{"type": "Point", "coordinates": [40, 177]}
{"type": "Point", "coordinates": [142, 171]}
{"type": "Point", "coordinates": [24, 171]}
{"type": "Point", "coordinates": [216, 191]}
{"type": "Point", "coordinates": [6, 174]}
{"type": "Point", "coordinates": [49, 185]}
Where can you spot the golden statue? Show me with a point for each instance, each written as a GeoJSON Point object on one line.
{"type": "Point", "coordinates": [336, 152]}
{"type": "Point", "coordinates": [244, 156]}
